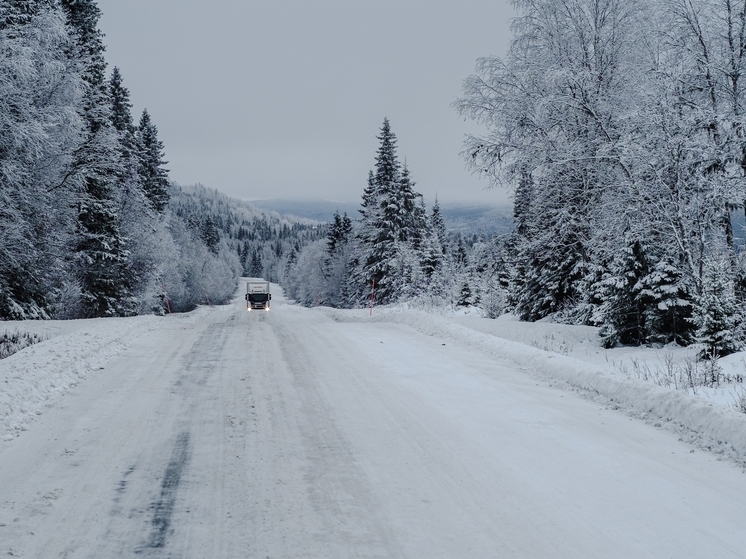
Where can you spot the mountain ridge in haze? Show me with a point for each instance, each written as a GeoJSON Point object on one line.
{"type": "Point", "coordinates": [459, 218]}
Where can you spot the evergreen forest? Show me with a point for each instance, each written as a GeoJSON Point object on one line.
{"type": "Point", "coordinates": [618, 125]}
{"type": "Point", "coordinates": [90, 224]}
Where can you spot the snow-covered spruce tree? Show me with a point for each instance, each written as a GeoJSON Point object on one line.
{"type": "Point", "coordinates": [668, 304]}
{"type": "Point", "coordinates": [389, 221]}
{"type": "Point", "coordinates": [377, 229]}
{"type": "Point", "coordinates": [715, 312]}
{"type": "Point", "coordinates": [210, 235]}
{"type": "Point", "coordinates": [622, 311]}
{"type": "Point", "coordinates": [551, 257]}
{"type": "Point", "coordinates": [339, 232]}
{"type": "Point", "coordinates": [148, 240]}
{"type": "Point", "coordinates": [101, 254]}
{"type": "Point", "coordinates": [153, 174]}
{"type": "Point", "coordinates": [121, 112]}
{"type": "Point", "coordinates": [412, 213]}
{"type": "Point", "coordinates": [438, 225]}
{"type": "Point", "coordinates": [121, 120]}
{"type": "Point", "coordinates": [431, 254]}
{"type": "Point", "coordinates": [257, 269]}
{"type": "Point", "coordinates": [465, 295]}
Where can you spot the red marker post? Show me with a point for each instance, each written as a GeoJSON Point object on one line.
{"type": "Point", "coordinates": [165, 298]}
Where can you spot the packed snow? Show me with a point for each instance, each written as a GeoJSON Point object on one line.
{"type": "Point", "coordinates": [572, 355]}
{"type": "Point", "coordinates": [325, 433]}
{"type": "Point", "coordinates": [38, 376]}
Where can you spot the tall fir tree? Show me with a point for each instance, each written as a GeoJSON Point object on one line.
{"type": "Point", "coordinates": [376, 231]}
{"type": "Point", "coordinates": [153, 174]}
{"type": "Point", "coordinates": [121, 110]}
{"type": "Point", "coordinates": [128, 147]}
{"type": "Point", "coordinates": [438, 225]}
{"type": "Point", "coordinates": [387, 161]}
{"type": "Point", "coordinates": [391, 221]}
{"type": "Point", "coordinates": [101, 250]}
{"type": "Point", "coordinates": [622, 309]}
{"type": "Point", "coordinates": [412, 217]}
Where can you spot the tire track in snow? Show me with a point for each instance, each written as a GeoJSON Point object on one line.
{"type": "Point", "coordinates": [163, 508]}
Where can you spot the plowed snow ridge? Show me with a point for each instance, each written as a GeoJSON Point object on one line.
{"type": "Point", "coordinates": [37, 376]}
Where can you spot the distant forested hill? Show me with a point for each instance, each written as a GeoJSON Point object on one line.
{"type": "Point", "coordinates": [464, 219]}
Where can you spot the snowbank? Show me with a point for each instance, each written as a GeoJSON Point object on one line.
{"type": "Point", "coordinates": [711, 426]}
{"type": "Point", "coordinates": [37, 376]}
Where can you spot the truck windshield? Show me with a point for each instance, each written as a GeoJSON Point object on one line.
{"type": "Point", "coordinates": [257, 297]}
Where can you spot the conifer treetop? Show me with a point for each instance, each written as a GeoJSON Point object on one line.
{"type": "Point", "coordinates": [120, 101]}
{"type": "Point", "coordinates": [153, 174]}
{"type": "Point", "coordinates": [387, 163]}
{"type": "Point", "coordinates": [83, 16]}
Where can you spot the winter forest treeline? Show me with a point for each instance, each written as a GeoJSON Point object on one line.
{"type": "Point", "coordinates": [619, 125]}
{"type": "Point", "coordinates": [90, 225]}
{"type": "Point", "coordinates": [395, 250]}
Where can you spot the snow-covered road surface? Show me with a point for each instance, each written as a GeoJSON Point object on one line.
{"type": "Point", "coordinates": [286, 434]}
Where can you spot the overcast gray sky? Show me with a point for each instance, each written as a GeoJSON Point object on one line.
{"type": "Point", "coordinates": [284, 98]}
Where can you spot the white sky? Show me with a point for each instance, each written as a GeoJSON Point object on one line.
{"type": "Point", "coordinates": [284, 98]}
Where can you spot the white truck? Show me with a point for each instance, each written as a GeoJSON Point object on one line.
{"type": "Point", "coordinates": [257, 295]}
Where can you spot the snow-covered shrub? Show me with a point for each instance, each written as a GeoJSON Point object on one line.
{"type": "Point", "coordinates": [739, 399]}
{"type": "Point", "coordinates": [716, 312]}
{"type": "Point", "coordinates": [13, 342]}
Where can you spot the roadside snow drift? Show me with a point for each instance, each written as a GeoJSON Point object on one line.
{"type": "Point", "coordinates": [37, 376]}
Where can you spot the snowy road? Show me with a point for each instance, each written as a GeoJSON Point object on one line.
{"type": "Point", "coordinates": [286, 434]}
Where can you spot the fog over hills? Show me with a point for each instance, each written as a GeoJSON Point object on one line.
{"type": "Point", "coordinates": [459, 218]}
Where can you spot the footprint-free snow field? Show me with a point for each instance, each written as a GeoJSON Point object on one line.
{"type": "Point", "coordinates": [287, 434]}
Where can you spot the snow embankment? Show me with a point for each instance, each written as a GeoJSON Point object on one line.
{"type": "Point", "coordinates": [39, 375]}
{"type": "Point", "coordinates": [709, 425]}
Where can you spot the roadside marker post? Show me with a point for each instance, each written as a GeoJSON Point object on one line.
{"type": "Point", "coordinates": [165, 298]}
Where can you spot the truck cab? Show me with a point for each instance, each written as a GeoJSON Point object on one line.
{"type": "Point", "coordinates": [257, 295]}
